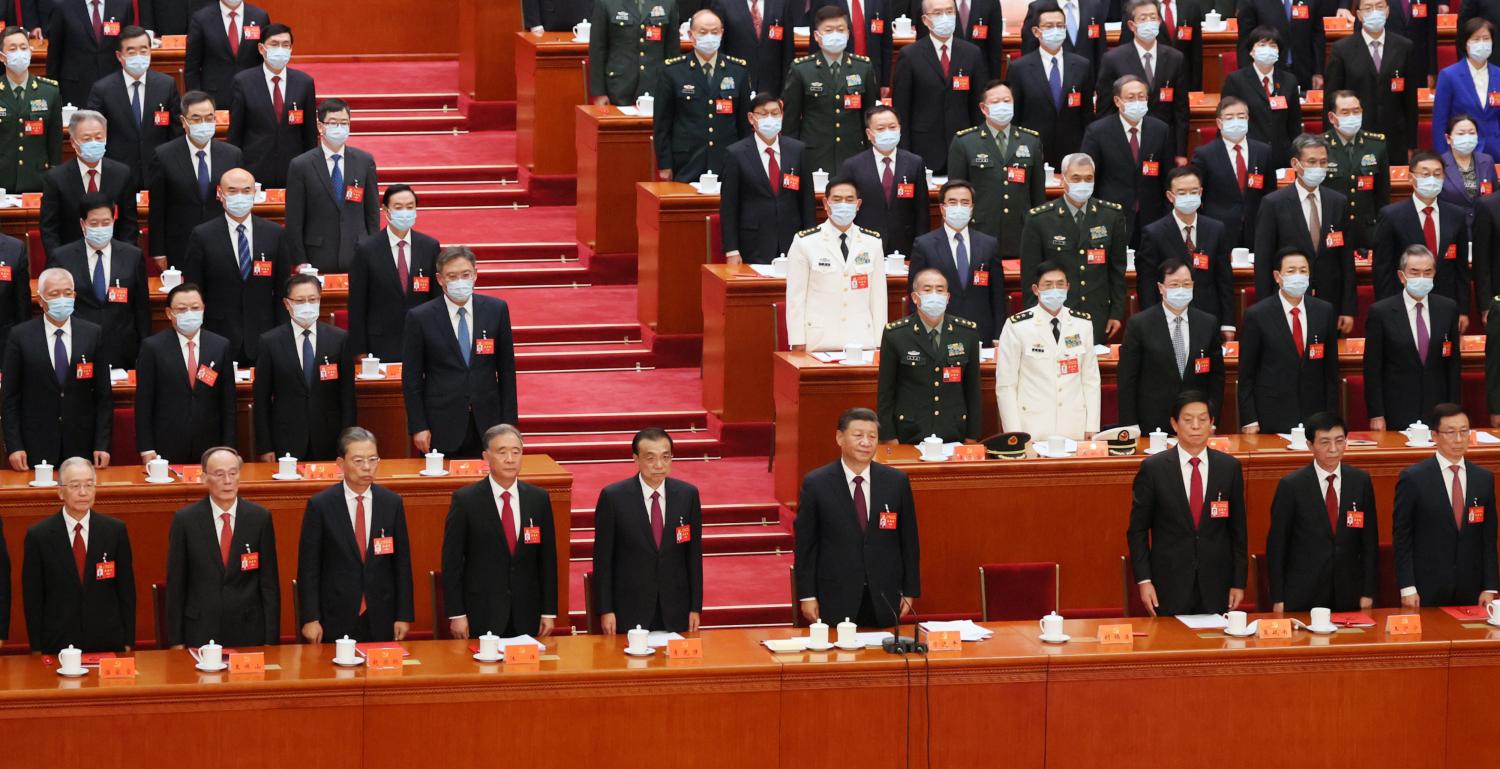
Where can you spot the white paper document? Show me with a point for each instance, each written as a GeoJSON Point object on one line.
{"type": "Point", "coordinates": [520, 640]}
{"type": "Point", "coordinates": [1204, 621]}
{"type": "Point", "coordinates": [659, 638]}
{"type": "Point", "coordinates": [967, 629]}
{"type": "Point", "coordinates": [765, 271]}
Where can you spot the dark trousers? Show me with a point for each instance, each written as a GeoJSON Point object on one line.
{"type": "Point", "coordinates": [470, 448]}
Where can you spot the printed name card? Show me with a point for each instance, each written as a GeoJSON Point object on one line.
{"type": "Point", "coordinates": [1116, 634]}
{"type": "Point", "coordinates": [943, 641]}
{"type": "Point", "coordinates": [462, 467]}
{"type": "Point", "coordinates": [1275, 628]}
{"type": "Point", "coordinates": [968, 453]}
{"type": "Point", "coordinates": [685, 649]}
{"type": "Point", "coordinates": [248, 662]}
{"type": "Point", "coordinates": [117, 667]}
{"type": "Point", "coordinates": [1403, 624]}
{"type": "Point", "coordinates": [523, 654]}
{"type": "Point", "coordinates": [337, 282]}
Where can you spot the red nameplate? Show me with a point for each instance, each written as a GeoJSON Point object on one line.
{"type": "Point", "coordinates": [1278, 102]}
{"type": "Point", "coordinates": [981, 277]}
{"type": "Point", "coordinates": [684, 534]}
{"type": "Point", "coordinates": [251, 32]}
{"type": "Point", "coordinates": [1398, 85]}
{"type": "Point", "coordinates": [1419, 10]}
{"type": "Point", "coordinates": [104, 570]}
{"type": "Point", "coordinates": [980, 32]}
{"type": "Point", "coordinates": [943, 641]}
{"type": "Point", "coordinates": [1466, 613]}
{"type": "Point", "coordinates": [1200, 260]}
{"type": "Point", "coordinates": [523, 654]}
{"type": "Point", "coordinates": [5, 273]}
{"type": "Point", "coordinates": [484, 346]}
{"type": "Point", "coordinates": [188, 473]}
{"type": "Point", "coordinates": [1353, 346]}
{"type": "Point", "coordinates": [906, 190]}
{"type": "Point", "coordinates": [1299, 12]}
{"type": "Point", "coordinates": [1075, 99]}
{"type": "Point", "coordinates": [1335, 239]}
{"type": "Point", "coordinates": [34, 128]}
{"type": "Point", "coordinates": [1200, 365]}
{"type": "Point", "coordinates": [1494, 99]}
{"type": "Point", "coordinates": [384, 658]}
{"type": "Point", "coordinates": [853, 101]}
{"type": "Point", "coordinates": [117, 667]}
{"type": "Point", "coordinates": [1096, 256]}
{"type": "Point", "coordinates": [421, 284]}
{"type": "Point", "coordinates": [791, 181]}
{"type": "Point", "coordinates": [887, 520]}
{"type": "Point", "coordinates": [1354, 519]}
{"type": "Point", "coordinates": [384, 545]}
{"type": "Point", "coordinates": [367, 649]}
{"type": "Point", "coordinates": [1166, 94]}
{"type": "Point", "coordinates": [261, 268]}
{"type": "Point", "coordinates": [294, 117]}
{"type": "Point", "coordinates": [724, 106]}
{"type": "Point", "coordinates": [877, 26]}
{"type": "Point", "coordinates": [1403, 624]}
{"type": "Point", "coordinates": [775, 32]}
{"type": "Point", "coordinates": [468, 467]}
{"type": "Point", "coordinates": [1315, 351]}
{"type": "Point", "coordinates": [249, 561]}
{"type": "Point", "coordinates": [953, 374]}
{"type": "Point", "coordinates": [1093, 31]}
{"type": "Point", "coordinates": [207, 375]}
{"type": "Point", "coordinates": [1452, 252]}
{"type": "Point", "coordinates": [1218, 508]}
{"type": "Point", "coordinates": [355, 194]}
{"type": "Point", "coordinates": [118, 294]}
{"type": "Point", "coordinates": [111, 28]}
{"type": "Point", "coordinates": [1067, 366]}
{"type": "Point", "coordinates": [1476, 514]}
{"type": "Point", "coordinates": [858, 282]}
{"type": "Point", "coordinates": [1255, 181]}
{"type": "Point", "coordinates": [336, 281]}
{"type": "Point", "coordinates": [1364, 183]}
{"type": "Point", "coordinates": [531, 535]}
{"type": "Point", "coordinates": [1274, 628]}
{"type": "Point", "coordinates": [1116, 634]}
{"type": "Point", "coordinates": [318, 470]}
{"type": "Point", "coordinates": [685, 649]}
{"type": "Point", "coordinates": [960, 82]}
{"type": "Point", "coordinates": [1016, 174]}
{"type": "Point", "coordinates": [1184, 33]}
{"type": "Point", "coordinates": [84, 371]}
{"type": "Point", "coordinates": [1150, 168]}
{"type": "Point", "coordinates": [248, 662]}
{"type": "Point", "coordinates": [653, 33]}
{"type": "Point", "coordinates": [328, 371]}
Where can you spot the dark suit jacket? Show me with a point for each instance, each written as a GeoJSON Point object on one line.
{"type": "Point", "coordinates": [322, 230]}
{"type": "Point", "coordinates": [1171, 73]}
{"type": "Point", "coordinates": [1312, 565]}
{"type": "Point", "coordinates": [767, 58]}
{"type": "Point", "coordinates": [1277, 388]}
{"type": "Point", "coordinates": [987, 306]}
{"type": "Point", "coordinates": [270, 144]}
{"type": "Point", "coordinates": [1422, 57]}
{"type": "Point", "coordinates": [47, 421]}
{"type": "Point", "coordinates": [1448, 565]}
{"type": "Point", "coordinates": [1186, 36]}
{"type": "Point", "coordinates": [1213, 288]}
{"type": "Point", "coordinates": [125, 324]}
{"type": "Point", "coordinates": [4, 586]}
{"type": "Point", "coordinates": [898, 220]}
{"type": "Point", "coordinates": [291, 417]}
{"type": "Point", "coordinates": [931, 110]}
{"type": "Point", "coordinates": [75, 59]}
{"type": "Point", "coordinates": [95, 615]}
{"type": "Point", "coordinates": [1394, 113]}
{"type": "Point", "coordinates": [1191, 568]}
{"type": "Point", "coordinates": [1400, 386]}
{"type": "Point", "coordinates": [877, 45]}
{"type": "Point", "coordinates": [15, 294]}
{"type": "Point", "coordinates": [634, 577]}
{"type": "Point", "coordinates": [176, 206]}
{"type": "Point", "coordinates": [238, 309]}
{"type": "Point", "coordinates": [1485, 230]}
{"type": "Point", "coordinates": [331, 576]}
{"type": "Point", "coordinates": [752, 220]}
{"type": "Point", "coordinates": [1282, 223]}
{"type": "Point", "coordinates": [377, 300]}
{"type": "Point", "coordinates": [442, 392]}
{"type": "Point", "coordinates": [554, 15]}
{"type": "Point", "coordinates": [128, 143]}
{"type": "Point", "coordinates": [836, 560]}
{"type": "Point", "coordinates": [984, 30]}
{"type": "Point", "coordinates": [1400, 225]}
{"type": "Point", "coordinates": [206, 600]}
{"type": "Point", "coordinates": [1120, 177]}
{"type": "Point", "coordinates": [1222, 197]}
{"type": "Point", "coordinates": [209, 64]}
{"type": "Point", "coordinates": [1276, 127]}
{"type": "Point", "coordinates": [63, 189]}
{"type": "Point", "coordinates": [1302, 47]}
{"type": "Point", "coordinates": [1091, 48]}
{"type": "Point", "coordinates": [34, 14]}
{"type": "Point", "coordinates": [1148, 377]}
{"type": "Point", "coordinates": [1061, 130]}
{"type": "Point", "coordinates": [170, 17]}
{"type": "Point", "coordinates": [498, 589]}
{"type": "Point", "coordinates": [178, 423]}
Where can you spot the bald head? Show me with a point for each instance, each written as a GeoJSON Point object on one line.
{"type": "Point", "coordinates": [237, 181]}
{"type": "Point", "coordinates": [706, 22]}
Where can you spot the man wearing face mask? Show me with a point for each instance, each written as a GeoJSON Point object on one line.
{"type": "Point", "coordinates": [1087, 237]}
{"type": "Point", "coordinates": [1169, 349]}
{"type": "Point", "coordinates": [1053, 88]}
{"type": "Point", "coordinates": [63, 187]}
{"type": "Point", "coordinates": [1411, 360]}
{"type": "Point", "coordinates": [1004, 163]}
{"type": "Point", "coordinates": [929, 362]}
{"type": "Point", "coordinates": [1186, 234]}
{"type": "Point", "coordinates": [1309, 217]}
{"type": "Point", "coordinates": [1297, 24]}
{"type": "Point", "coordinates": [1289, 362]}
{"type": "Point", "coordinates": [767, 193]}
{"type": "Point", "coordinates": [1134, 152]}
{"type": "Point", "coordinates": [31, 125]}
{"type": "Point", "coordinates": [1269, 91]}
{"type": "Point", "coordinates": [393, 272]}
{"type": "Point", "coordinates": [969, 260]}
{"type": "Point", "coordinates": [1427, 221]}
{"type": "Point", "coordinates": [331, 196]}
{"type": "Point", "coordinates": [111, 276]}
{"type": "Point", "coordinates": [629, 42]}
{"type": "Point", "coordinates": [835, 282]}
{"type": "Point", "coordinates": [184, 380]}
{"type": "Point", "coordinates": [1235, 170]}
{"type": "Point", "coordinates": [890, 183]}
{"type": "Point", "coordinates": [933, 90]}
{"type": "Point", "coordinates": [701, 99]}
{"type": "Point", "coordinates": [1082, 25]}
{"type": "Point", "coordinates": [183, 176]}
{"type": "Point", "coordinates": [304, 380]}
{"type": "Point", "coordinates": [1379, 67]}
{"type": "Point", "coordinates": [141, 104]}
{"type": "Point", "coordinates": [1159, 66]}
{"type": "Point", "coordinates": [222, 41]}
{"type": "Point", "coordinates": [826, 95]}
{"type": "Point", "coordinates": [57, 404]}
{"type": "Point", "coordinates": [271, 110]}
{"type": "Point", "coordinates": [1358, 167]}
{"type": "Point", "coordinates": [1046, 373]}
{"type": "Point", "coordinates": [81, 41]}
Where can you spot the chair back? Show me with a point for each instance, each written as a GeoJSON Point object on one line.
{"type": "Point", "coordinates": [1018, 591]}
{"type": "Point", "coordinates": [159, 613]}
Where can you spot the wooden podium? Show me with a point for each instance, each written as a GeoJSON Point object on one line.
{"type": "Point", "coordinates": [614, 152]}
{"type": "Point", "coordinates": [550, 82]}
{"type": "Point", "coordinates": [675, 229]}
{"type": "Point", "coordinates": [487, 49]}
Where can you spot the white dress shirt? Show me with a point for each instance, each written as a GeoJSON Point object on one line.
{"type": "Point", "coordinates": [937, 45]}
{"type": "Point", "coordinates": [1048, 59]}
{"type": "Point", "coordinates": [265, 70]}
{"type": "Point", "coordinates": [1437, 218]}
{"type": "Point", "coordinates": [297, 339]}
{"type": "Point", "coordinates": [239, 17]}
{"type": "Point", "coordinates": [70, 523]}
{"type": "Point", "coordinates": [94, 256]}
{"type": "Point", "coordinates": [1338, 481]}
{"type": "Point", "coordinates": [49, 332]}
{"type": "Point", "coordinates": [1411, 315]}
{"type": "Point", "coordinates": [349, 496]}
{"type": "Point", "coordinates": [1244, 153]}
{"type": "Point", "coordinates": [219, 512]}
{"type": "Point", "coordinates": [328, 153]}
{"type": "Point", "coordinates": [83, 174]}
{"type": "Point", "coordinates": [1142, 51]}
{"type": "Point", "coordinates": [1481, 75]}
{"type": "Point", "coordinates": [646, 492]}
{"type": "Point", "coordinates": [234, 238]}
{"type": "Point", "coordinates": [1286, 315]}
{"type": "Point", "coordinates": [1140, 130]}
{"type": "Point", "coordinates": [1171, 315]}
{"type": "Point", "coordinates": [468, 308]}
{"type": "Point", "coordinates": [1369, 41]}
{"type": "Point", "coordinates": [775, 147]}
{"type": "Point", "coordinates": [878, 158]}
{"type": "Point", "coordinates": [208, 159]}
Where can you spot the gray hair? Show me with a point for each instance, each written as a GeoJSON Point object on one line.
{"type": "Point", "coordinates": [1307, 141]}
{"type": "Point", "coordinates": [498, 430]}
{"type": "Point", "coordinates": [1418, 251]}
{"type": "Point", "coordinates": [353, 435]}
{"type": "Point", "coordinates": [1076, 158]}
{"type": "Point", "coordinates": [50, 274]}
{"type": "Point", "coordinates": [1131, 6]}
{"type": "Point", "coordinates": [83, 116]}
{"type": "Point", "coordinates": [230, 450]}
{"type": "Point", "coordinates": [1124, 80]}
{"type": "Point", "coordinates": [76, 462]}
{"type": "Point", "coordinates": [450, 253]}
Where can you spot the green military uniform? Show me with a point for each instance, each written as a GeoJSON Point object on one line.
{"type": "Point", "coordinates": [1361, 171]}
{"type": "Point", "coordinates": [1006, 185]}
{"type": "Point", "coordinates": [1091, 249]}
{"type": "Point", "coordinates": [698, 116]}
{"type": "Point", "coordinates": [629, 42]}
{"type": "Point", "coordinates": [825, 105]}
{"type": "Point", "coordinates": [930, 389]}
{"type": "Point", "coordinates": [25, 155]}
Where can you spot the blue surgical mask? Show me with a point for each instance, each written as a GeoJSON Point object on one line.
{"type": "Point", "coordinates": [1349, 125]}
{"type": "Point", "coordinates": [402, 218]}
{"type": "Point", "coordinates": [833, 42]}
{"type": "Point", "coordinates": [1053, 37]}
{"type": "Point", "coordinates": [957, 217]}
{"type": "Point", "coordinates": [942, 26]}
{"type": "Point", "coordinates": [842, 214]}
{"type": "Point", "coordinates": [1374, 21]}
{"type": "Point", "coordinates": [1295, 285]}
{"type": "Point", "coordinates": [239, 205]}
{"type": "Point", "coordinates": [1419, 288]}
{"type": "Point", "coordinates": [1002, 112]}
{"type": "Point", "coordinates": [1312, 176]}
{"type": "Point", "coordinates": [1179, 296]}
{"type": "Point", "coordinates": [1135, 110]}
{"type": "Point", "coordinates": [885, 141]}
{"type": "Point", "coordinates": [91, 152]}
{"type": "Point", "coordinates": [1465, 143]}
{"type": "Point", "coordinates": [98, 237]}
{"type": "Point", "coordinates": [1053, 298]}
{"type": "Point", "coordinates": [1234, 129]}
{"type": "Point", "coordinates": [136, 65]}
{"type": "Point", "coordinates": [202, 133]}
{"type": "Point", "coordinates": [1266, 55]}
{"type": "Point", "coordinates": [189, 321]}
{"type": "Point", "coordinates": [1148, 30]}
{"type": "Point", "coordinates": [60, 309]}
{"type": "Point", "coordinates": [459, 290]}
{"type": "Point", "coordinates": [278, 56]}
{"type": "Point", "coordinates": [1480, 49]}
{"type": "Point", "coordinates": [1428, 186]}
{"type": "Point", "coordinates": [306, 313]}
{"type": "Point", "coordinates": [707, 45]}
{"type": "Point", "coordinates": [768, 126]}
{"type": "Point", "coordinates": [933, 305]}
{"type": "Point", "coordinates": [336, 134]}
{"type": "Point", "coordinates": [1187, 204]}
{"type": "Point", "coordinates": [1079, 192]}
{"type": "Point", "coordinates": [18, 61]}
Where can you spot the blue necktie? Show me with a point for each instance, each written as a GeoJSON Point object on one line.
{"type": "Point", "coordinates": [1072, 19]}
{"type": "Point", "coordinates": [60, 358]}
{"type": "Point", "coordinates": [135, 103]}
{"type": "Point", "coordinates": [244, 253]}
{"type": "Point", "coordinates": [963, 261]}
{"type": "Point", "coordinates": [1055, 79]}
{"type": "Point", "coordinates": [202, 175]}
{"type": "Point", "coordinates": [101, 289]}
{"type": "Point", "coordinates": [309, 365]}
{"type": "Point", "coordinates": [338, 180]}
{"type": "Point", "coordinates": [464, 344]}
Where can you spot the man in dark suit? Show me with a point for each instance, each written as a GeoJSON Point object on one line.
{"type": "Point", "coordinates": [185, 396]}
{"type": "Point", "coordinates": [1187, 520]}
{"type": "Point", "coordinates": [392, 273]}
{"type": "Point", "coordinates": [304, 380]}
{"type": "Point", "coordinates": [1443, 528]}
{"type": "Point", "coordinates": [237, 261]}
{"type": "Point", "coordinates": [58, 403]}
{"type": "Point", "coordinates": [500, 549]}
{"type": "Point", "coordinates": [1167, 82]}
{"type": "Point", "coordinates": [15, 286]}
{"type": "Point", "coordinates": [1289, 367]}
{"type": "Point", "coordinates": [892, 183]}
{"type": "Point", "coordinates": [979, 23]}
{"type": "Point", "coordinates": [1053, 88]}
{"type": "Point", "coordinates": [857, 552]}
{"type": "Point", "coordinates": [76, 575]}
{"type": "Point", "coordinates": [1299, 23]}
{"type": "Point", "coordinates": [1133, 151]}
{"type": "Point", "coordinates": [170, 17]}
{"type": "Point", "coordinates": [270, 116]}
{"type": "Point", "coordinates": [222, 581]}
{"type": "Point", "coordinates": [1270, 92]}
{"type": "Point", "coordinates": [1411, 360]}
{"type": "Point", "coordinates": [1426, 220]}
{"type": "Point", "coordinates": [870, 32]}
{"type": "Point", "coordinates": [354, 557]}
{"type": "Point", "coordinates": [31, 15]}
{"type": "Point", "coordinates": [553, 15]}
{"type": "Point", "coordinates": [183, 178]}
{"type": "Point", "coordinates": [140, 103]}
{"type": "Point", "coordinates": [1181, 29]}
{"type": "Point", "coordinates": [1387, 86]}
{"type": "Point", "coordinates": [1323, 546]}
{"type": "Point", "coordinates": [459, 362]}
{"type": "Point", "coordinates": [4, 589]}
{"type": "Point", "coordinates": [1004, 163]}
{"type": "Point", "coordinates": [1186, 234]}
{"type": "Point", "coordinates": [648, 545]}
{"type": "Point", "coordinates": [331, 196]}
{"type": "Point", "coordinates": [1083, 25]}
{"type": "Point", "coordinates": [701, 102]}
{"type": "Point", "coordinates": [81, 44]}
{"type": "Point", "coordinates": [64, 186]}
{"type": "Point", "coordinates": [116, 295]}
{"type": "Point", "coordinates": [213, 57]}
{"type": "Point", "coordinates": [1485, 232]}
{"type": "Point", "coordinates": [1421, 58]}
{"type": "Point", "coordinates": [764, 204]}
{"type": "Point", "coordinates": [1237, 173]}
{"type": "Point", "coordinates": [760, 32]}
{"type": "Point", "coordinates": [1308, 216]}
{"type": "Point", "coordinates": [1169, 349]}
{"type": "Point", "coordinates": [935, 86]}
{"type": "Point", "coordinates": [969, 260]}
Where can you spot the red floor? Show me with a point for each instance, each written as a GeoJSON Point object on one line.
{"type": "Point", "coordinates": [339, 79]}
{"type": "Point", "coordinates": [732, 480]}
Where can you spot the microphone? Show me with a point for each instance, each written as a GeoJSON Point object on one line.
{"type": "Point", "coordinates": [896, 644]}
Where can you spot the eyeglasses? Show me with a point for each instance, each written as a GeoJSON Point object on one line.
{"type": "Point", "coordinates": [79, 486]}
{"type": "Point", "coordinates": [1464, 433]}
{"type": "Point", "coordinates": [364, 463]}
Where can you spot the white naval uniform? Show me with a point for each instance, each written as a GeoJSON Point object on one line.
{"type": "Point", "coordinates": [1035, 383]}
{"type": "Point", "coordinates": [825, 307]}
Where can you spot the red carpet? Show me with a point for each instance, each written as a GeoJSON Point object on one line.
{"type": "Point", "coordinates": [478, 148]}
{"type": "Point", "coordinates": [728, 481]}
{"type": "Point", "coordinates": [737, 590]}
{"type": "Point", "coordinates": [610, 392]}
{"type": "Point", "coordinates": [548, 225]}
{"type": "Point", "coordinates": [557, 306]}
{"type": "Point", "coordinates": [341, 79]}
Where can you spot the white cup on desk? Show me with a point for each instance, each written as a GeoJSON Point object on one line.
{"type": "Point", "coordinates": [1051, 625]}
{"type": "Point", "coordinates": [1299, 437]}
{"type": "Point", "coordinates": [287, 466]}
{"type": "Point", "coordinates": [369, 367]}
{"type": "Point", "coordinates": [70, 659]}
{"type": "Point", "coordinates": [1158, 441]}
{"type": "Point", "coordinates": [1321, 617]}
{"type": "Point", "coordinates": [931, 448]}
{"type": "Point", "coordinates": [708, 183]}
{"type": "Point", "coordinates": [854, 352]}
{"type": "Point", "coordinates": [171, 278]}
{"type": "Point", "coordinates": [779, 266]}
{"type": "Point", "coordinates": [1419, 432]}
{"type": "Point", "coordinates": [210, 655]}
{"type": "Point", "coordinates": [344, 651]}
{"type": "Point", "coordinates": [636, 640]}
{"type": "Point", "coordinates": [1240, 257]}
{"type": "Point", "coordinates": [901, 26]}
{"type": "Point", "coordinates": [895, 261]}
{"type": "Point", "coordinates": [489, 646]}
{"type": "Point", "coordinates": [1057, 445]}
{"type": "Point", "coordinates": [156, 469]}
{"type": "Point", "coordinates": [645, 103]}
{"type": "Point", "coordinates": [820, 181]}
{"type": "Point", "coordinates": [581, 31]}
{"type": "Point", "coordinates": [434, 461]}
{"type": "Point", "coordinates": [1492, 610]}
{"type": "Point", "coordinates": [43, 474]}
{"type": "Point", "coordinates": [1236, 620]}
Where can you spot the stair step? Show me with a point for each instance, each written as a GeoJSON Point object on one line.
{"type": "Point", "coordinates": [597, 448]}
{"type": "Point", "coordinates": [479, 194]}
{"type": "Point", "coordinates": [359, 102]}
{"type": "Point", "coordinates": [450, 173]}
{"type": "Point", "coordinates": [713, 515]}
{"type": "Point", "coordinates": [768, 615]}
{"type": "Point", "coordinates": [612, 357]}
{"type": "Point", "coordinates": [496, 253]}
{"type": "Point", "coordinates": [685, 422]}
{"type": "Point", "coordinates": [532, 273]}
{"type": "Point", "coordinates": [383, 122]}
{"type": "Point", "coordinates": [578, 333]}
{"type": "Point", "coordinates": [718, 540]}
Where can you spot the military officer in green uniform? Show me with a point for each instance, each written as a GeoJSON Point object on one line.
{"type": "Point", "coordinates": [826, 96]}
{"type": "Point", "coordinates": [1358, 167]}
{"type": "Point", "coordinates": [929, 370]}
{"type": "Point", "coordinates": [30, 118]}
{"type": "Point", "coordinates": [627, 45]}
{"type": "Point", "coordinates": [1087, 236]}
{"type": "Point", "coordinates": [700, 105]}
{"type": "Point", "coordinates": [1004, 163]}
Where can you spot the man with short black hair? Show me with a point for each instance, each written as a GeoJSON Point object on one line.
{"type": "Point", "coordinates": [222, 40]}
{"type": "Point", "coordinates": [1412, 360]}
{"type": "Point", "coordinates": [31, 135]}
{"type": "Point", "coordinates": [969, 261]}
{"type": "Point", "coordinates": [1053, 87]}
{"type": "Point", "coordinates": [1185, 233]}
{"type": "Point", "coordinates": [929, 362]}
{"type": "Point", "coordinates": [1309, 216]}
{"type": "Point", "coordinates": [64, 186]}
{"type": "Point", "coordinates": [393, 272]}
{"type": "Point", "coordinates": [892, 184]}
{"type": "Point", "coordinates": [1237, 173]}
{"type": "Point", "coordinates": [184, 379]}
{"type": "Point", "coordinates": [1004, 163]}
{"type": "Point", "coordinates": [1268, 89]}
{"type": "Point", "coordinates": [1046, 371]}
{"type": "Point", "coordinates": [183, 177]}
{"type": "Point", "coordinates": [81, 40]}
{"type": "Point", "coordinates": [767, 191]}
{"type": "Point", "coordinates": [271, 109]}
{"type": "Point", "coordinates": [1133, 152]}
{"type": "Point", "coordinates": [331, 196]}
{"type": "Point", "coordinates": [141, 104]}
{"type": "Point", "coordinates": [304, 380]}
{"type": "Point", "coordinates": [1289, 362]}
{"type": "Point", "coordinates": [1426, 221]}
{"type": "Point", "coordinates": [115, 293]}
{"type": "Point", "coordinates": [1169, 349]}
{"type": "Point", "coordinates": [933, 90]}
{"type": "Point", "coordinates": [1145, 51]}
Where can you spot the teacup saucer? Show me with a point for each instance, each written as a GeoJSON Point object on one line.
{"type": "Point", "coordinates": [1328, 629]}
{"type": "Point", "coordinates": [1246, 633]}
{"type": "Point", "coordinates": [354, 663]}
{"type": "Point", "coordinates": [856, 646]}
{"type": "Point", "coordinates": [431, 474]}
{"type": "Point", "coordinates": [1424, 445]}
{"type": "Point", "coordinates": [818, 647]}
{"type": "Point", "coordinates": [1060, 638]}
{"type": "Point", "coordinates": [1492, 623]}
{"type": "Point", "coordinates": [933, 459]}
{"type": "Point", "coordinates": [647, 652]}
{"type": "Point", "coordinates": [41, 485]}
{"type": "Point", "coordinates": [78, 672]}
{"type": "Point", "coordinates": [168, 479]}
{"type": "Point", "coordinates": [481, 658]}
{"type": "Point", "coordinates": [284, 477]}
{"type": "Point", "coordinates": [222, 666]}
{"type": "Point", "coordinates": [365, 378]}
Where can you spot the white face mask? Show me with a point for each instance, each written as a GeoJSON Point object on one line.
{"type": "Point", "coordinates": [1148, 30]}
{"type": "Point", "coordinates": [1001, 112]}
{"type": "Point", "coordinates": [833, 43]}
{"type": "Point", "coordinates": [1234, 129]}
{"type": "Point", "coordinates": [1349, 125]}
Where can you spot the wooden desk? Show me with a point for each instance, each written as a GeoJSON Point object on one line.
{"type": "Point", "coordinates": [335, 300]}
{"type": "Point", "coordinates": [147, 510]}
{"type": "Point", "coordinates": [675, 238]}
{"type": "Point", "coordinates": [614, 152]}
{"type": "Point", "coordinates": [550, 81]}
{"type": "Point", "coordinates": [18, 221]}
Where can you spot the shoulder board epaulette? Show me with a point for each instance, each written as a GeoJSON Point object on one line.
{"type": "Point", "coordinates": [1375, 135]}
{"type": "Point", "coordinates": [47, 80]}
{"type": "Point", "coordinates": [1110, 204]}
{"type": "Point", "coordinates": [900, 322]}
{"type": "Point", "coordinates": [808, 231]}
{"type": "Point", "coordinates": [675, 59]}
{"type": "Point", "coordinates": [870, 232]}
{"type": "Point", "coordinates": [1022, 315]}
{"type": "Point", "coordinates": [969, 130]}
{"type": "Point", "coordinates": [858, 57]}
{"type": "Point", "coordinates": [1029, 130]}
{"type": "Point", "coordinates": [801, 59]}
{"type": "Point", "coordinates": [1079, 314]}
{"type": "Point", "coordinates": [963, 321]}
{"type": "Point", "coordinates": [1040, 208]}
{"type": "Point", "coordinates": [736, 60]}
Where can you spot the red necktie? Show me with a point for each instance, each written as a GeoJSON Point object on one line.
{"type": "Point", "coordinates": [98, 23]}
{"type": "Point", "coordinates": [861, 509]}
{"type": "Point", "coordinates": [1458, 501]}
{"type": "Point", "coordinates": [1297, 331]}
{"type": "Point", "coordinates": [506, 521]}
{"type": "Point", "coordinates": [1266, 81]}
{"type": "Point", "coordinates": [234, 36]}
{"type": "Point", "coordinates": [1135, 146]}
{"type": "Point", "coordinates": [657, 522]}
{"type": "Point", "coordinates": [19, 22]}
{"type": "Point", "coordinates": [276, 102]}
{"type": "Point", "coordinates": [1239, 167]}
{"type": "Point", "coordinates": [401, 270]}
{"type": "Point", "coordinates": [887, 179]}
{"type": "Point", "coordinates": [1429, 231]}
{"type": "Point", "coordinates": [80, 551]}
{"type": "Point", "coordinates": [94, 181]}
{"type": "Point", "coordinates": [1195, 492]}
{"type": "Point", "coordinates": [359, 539]}
{"type": "Point", "coordinates": [755, 17]}
{"type": "Point", "coordinates": [773, 171]}
{"type": "Point", "coordinates": [857, 21]}
{"type": "Point", "coordinates": [226, 533]}
{"type": "Point", "coordinates": [1331, 501]}
{"type": "Point", "coordinates": [1166, 9]}
{"type": "Point", "coordinates": [943, 59]}
{"type": "Point", "coordinates": [192, 367]}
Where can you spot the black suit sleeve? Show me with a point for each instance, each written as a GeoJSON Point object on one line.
{"type": "Point", "coordinates": [455, 549]}
{"type": "Point", "coordinates": [1249, 374]}
{"type": "Point", "coordinates": [127, 224]}
{"type": "Point", "coordinates": [1223, 278]}
{"type": "Point", "coordinates": [1489, 579]}
{"type": "Point", "coordinates": [1279, 537]}
{"type": "Point", "coordinates": [52, 215]}
{"type": "Point", "coordinates": [695, 554]}
{"type": "Point", "coordinates": [413, 376]}
{"type": "Point", "coordinates": [1128, 373]}
{"type": "Point", "coordinates": [1331, 372]}
{"type": "Point", "coordinates": [260, 389]}
{"type": "Point", "coordinates": [4, 588]}
{"type": "Point", "coordinates": [505, 368]}
{"type": "Point", "coordinates": [21, 275]}
{"type": "Point", "coordinates": [1369, 541]}
{"type": "Point", "coordinates": [270, 580]}
{"type": "Point", "coordinates": [192, 266]}
{"type": "Point", "coordinates": [531, 16]}
{"type": "Point", "coordinates": [1238, 539]}
{"type": "Point", "coordinates": [1266, 244]}
{"type": "Point", "coordinates": [885, 387]}
{"type": "Point", "coordinates": [604, 553]}
{"type": "Point", "coordinates": [156, 216]}
{"type": "Point", "coordinates": [33, 592]}
{"type": "Point", "coordinates": [297, 194]}
{"type": "Point", "coordinates": [1492, 362]}
{"type": "Point", "coordinates": [805, 537]}
{"type": "Point", "coordinates": [125, 584]}
{"type": "Point", "coordinates": [1403, 528]}
{"type": "Point", "coordinates": [1215, 372]}
{"type": "Point", "coordinates": [10, 397]}
{"type": "Point", "coordinates": [309, 565]}
{"type": "Point", "coordinates": [404, 607]}
{"type": "Point", "coordinates": [1483, 232]}
{"type": "Point", "coordinates": [1454, 362]}
{"type": "Point", "coordinates": [1374, 367]}
{"type": "Point", "coordinates": [548, 554]}
{"type": "Point", "coordinates": [348, 405]}
{"type": "Point", "coordinates": [238, 111]}
{"type": "Point", "coordinates": [359, 299]}
{"type": "Point", "coordinates": [1147, 273]}
{"type": "Point", "coordinates": [104, 406]}
{"type": "Point", "coordinates": [145, 400]}
{"type": "Point", "coordinates": [225, 389]}
{"type": "Point", "coordinates": [1138, 535]}
{"type": "Point", "coordinates": [973, 399]}
{"type": "Point", "coordinates": [140, 301]}
{"type": "Point", "coordinates": [372, 198]}
{"type": "Point", "coordinates": [729, 207]}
